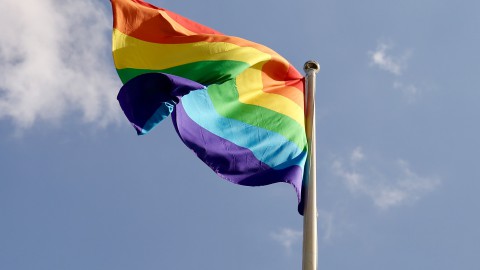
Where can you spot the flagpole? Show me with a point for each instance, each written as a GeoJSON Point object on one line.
{"type": "Point", "coordinates": [309, 261]}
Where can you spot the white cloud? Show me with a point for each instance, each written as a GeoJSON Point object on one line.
{"type": "Point", "coordinates": [287, 237]}
{"type": "Point", "coordinates": [410, 91]}
{"type": "Point", "coordinates": [392, 64]}
{"type": "Point", "coordinates": [395, 64]}
{"type": "Point", "coordinates": [54, 61]}
{"type": "Point", "coordinates": [402, 187]}
{"type": "Point", "coordinates": [357, 155]}
{"type": "Point", "coordinates": [352, 179]}
{"type": "Point", "coordinates": [326, 221]}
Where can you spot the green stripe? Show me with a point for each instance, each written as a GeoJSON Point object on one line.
{"type": "Point", "coordinates": [225, 100]}
{"type": "Point", "coordinates": [219, 75]}
{"type": "Point", "coordinates": [204, 72]}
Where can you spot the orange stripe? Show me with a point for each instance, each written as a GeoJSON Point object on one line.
{"type": "Point", "coordinates": [146, 22]}
{"type": "Point", "coordinates": [276, 75]}
{"type": "Point", "coordinates": [158, 25]}
{"type": "Point", "coordinates": [187, 23]}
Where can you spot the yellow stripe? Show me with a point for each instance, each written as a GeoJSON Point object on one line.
{"type": "Point", "coordinates": [129, 52]}
{"type": "Point", "coordinates": [249, 86]}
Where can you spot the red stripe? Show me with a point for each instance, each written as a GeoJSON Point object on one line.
{"type": "Point", "coordinates": [130, 14]}
{"type": "Point", "coordinates": [142, 20]}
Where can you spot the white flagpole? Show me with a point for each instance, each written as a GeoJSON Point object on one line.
{"type": "Point", "coordinates": [309, 261]}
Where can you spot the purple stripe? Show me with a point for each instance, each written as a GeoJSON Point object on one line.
{"type": "Point", "coordinates": [230, 161]}
{"type": "Point", "coordinates": [142, 96]}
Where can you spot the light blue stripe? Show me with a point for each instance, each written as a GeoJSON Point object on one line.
{"type": "Point", "coordinates": [269, 147]}
{"type": "Point", "coordinates": [161, 113]}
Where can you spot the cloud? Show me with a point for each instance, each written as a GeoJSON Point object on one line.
{"type": "Point", "coordinates": [287, 237]}
{"type": "Point", "coordinates": [55, 61]}
{"type": "Point", "coordinates": [402, 186]}
{"type": "Point", "coordinates": [392, 64]}
{"type": "Point", "coordinates": [410, 91]}
{"type": "Point", "coordinates": [357, 155]}
{"type": "Point", "coordinates": [326, 224]}
{"type": "Point", "coordinates": [395, 64]}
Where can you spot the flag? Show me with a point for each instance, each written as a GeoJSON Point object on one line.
{"type": "Point", "coordinates": [237, 104]}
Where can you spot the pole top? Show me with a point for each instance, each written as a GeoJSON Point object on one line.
{"type": "Point", "coordinates": [311, 64]}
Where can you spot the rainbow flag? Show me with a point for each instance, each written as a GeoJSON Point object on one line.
{"type": "Point", "coordinates": [237, 104]}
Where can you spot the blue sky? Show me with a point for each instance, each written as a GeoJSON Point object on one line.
{"type": "Point", "coordinates": [398, 141]}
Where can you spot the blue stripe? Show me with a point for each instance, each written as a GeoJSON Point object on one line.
{"type": "Point", "coordinates": [161, 113]}
{"type": "Point", "coordinates": [269, 147]}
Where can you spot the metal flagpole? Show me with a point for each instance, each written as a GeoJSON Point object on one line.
{"type": "Point", "coordinates": [309, 261]}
